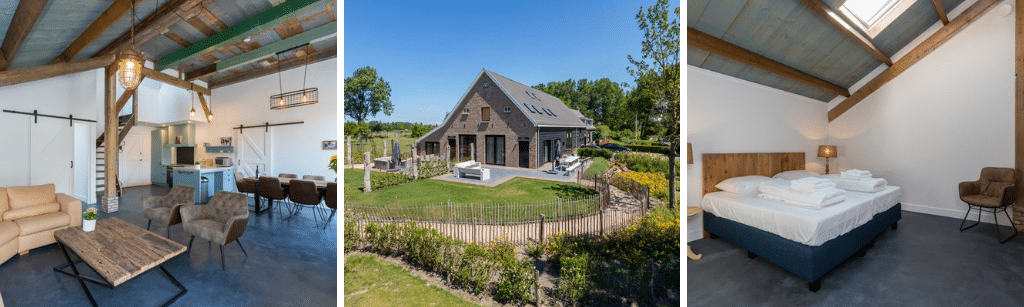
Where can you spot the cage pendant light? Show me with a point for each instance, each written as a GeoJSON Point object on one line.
{"type": "Point", "coordinates": [303, 97]}
{"type": "Point", "coordinates": [130, 62]}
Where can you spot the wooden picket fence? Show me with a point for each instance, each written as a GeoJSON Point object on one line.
{"type": "Point", "coordinates": [518, 223]}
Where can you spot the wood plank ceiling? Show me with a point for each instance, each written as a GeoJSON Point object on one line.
{"type": "Point", "coordinates": [791, 33]}
{"type": "Point", "coordinates": [174, 25]}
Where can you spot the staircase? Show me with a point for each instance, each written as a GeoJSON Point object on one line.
{"type": "Point", "coordinates": [124, 124]}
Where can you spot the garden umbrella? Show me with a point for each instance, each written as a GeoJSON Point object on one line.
{"type": "Point", "coordinates": [554, 154]}
{"type": "Point", "coordinates": [396, 154]}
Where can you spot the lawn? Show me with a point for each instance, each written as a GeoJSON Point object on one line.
{"type": "Point", "coordinates": [598, 167]}
{"type": "Point", "coordinates": [435, 192]}
{"type": "Point", "coordinates": [370, 282]}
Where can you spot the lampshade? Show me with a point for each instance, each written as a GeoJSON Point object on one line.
{"type": "Point", "coordinates": [827, 151]}
{"type": "Point", "coordinates": [689, 153]}
{"type": "Point", "coordinates": [129, 68]}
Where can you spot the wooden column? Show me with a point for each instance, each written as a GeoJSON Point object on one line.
{"type": "Point", "coordinates": [1018, 208]}
{"type": "Point", "coordinates": [110, 138]}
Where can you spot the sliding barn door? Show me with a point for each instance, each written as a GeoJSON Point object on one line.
{"type": "Point", "coordinates": [51, 147]}
{"type": "Point", "coordinates": [84, 148]}
{"type": "Point", "coordinates": [255, 151]}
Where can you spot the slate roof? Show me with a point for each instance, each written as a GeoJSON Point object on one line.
{"type": "Point", "coordinates": [545, 110]}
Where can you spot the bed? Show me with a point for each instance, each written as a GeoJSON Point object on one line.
{"type": "Point", "coordinates": [806, 242]}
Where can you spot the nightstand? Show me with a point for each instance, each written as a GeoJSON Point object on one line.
{"type": "Point", "coordinates": [691, 211]}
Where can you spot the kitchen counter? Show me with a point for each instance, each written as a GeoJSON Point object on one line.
{"type": "Point", "coordinates": [220, 179]}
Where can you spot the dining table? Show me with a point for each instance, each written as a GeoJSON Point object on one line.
{"type": "Point", "coordinates": [321, 186]}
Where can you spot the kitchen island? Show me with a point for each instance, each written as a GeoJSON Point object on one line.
{"type": "Point", "coordinates": [220, 179]}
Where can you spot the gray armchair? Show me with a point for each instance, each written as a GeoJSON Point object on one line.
{"type": "Point", "coordinates": [165, 209]}
{"type": "Point", "coordinates": [220, 221]}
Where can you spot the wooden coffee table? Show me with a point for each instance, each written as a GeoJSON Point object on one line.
{"type": "Point", "coordinates": [118, 251]}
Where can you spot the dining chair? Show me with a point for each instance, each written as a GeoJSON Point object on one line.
{"type": "Point", "coordinates": [244, 187]}
{"type": "Point", "coordinates": [313, 177]}
{"type": "Point", "coordinates": [287, 175]}
{"type": "Point", "coordinates": [272, 190]}
{"type": "Point", "coordinates": [303, 193]}
{"type": "Point", "coordinates": [331, 200]}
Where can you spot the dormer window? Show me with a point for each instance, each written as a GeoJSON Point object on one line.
{"type": "Point", "coordinates": [872, 16]}
{"type": "Point", "coordinates": [465, 111]}
{"type": "Point", "coordinates": [508, 109]}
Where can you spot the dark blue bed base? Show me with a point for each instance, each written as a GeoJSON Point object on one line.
{"type": "Point", "coordinates": [807, 262]}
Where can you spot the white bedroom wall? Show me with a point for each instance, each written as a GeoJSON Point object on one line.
{"type": "Point", "coordinates": [78, 94]}
{"type": "Point", "coordinates": [942, 120]}
{"type": "Point", "coordinates": [726, 114]}
{"type": "Point", "coordinates": [297, 148]}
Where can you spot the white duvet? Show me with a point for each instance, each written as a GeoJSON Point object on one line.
{"type": "Point", "coordinates": [800, 224]}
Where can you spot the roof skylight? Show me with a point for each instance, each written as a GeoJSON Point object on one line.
{"type": "Point", "coordinates": [872, 16]}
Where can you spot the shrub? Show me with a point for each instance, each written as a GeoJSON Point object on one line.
{"type": "Point", "coordinates": [646, 163]}
{"type": "Point", "coordinates": [352, 237]}
{"type": "Point", "coordinates": [515, 281]}
{"type": "Point", "coordinates": [384, 180]}
{"type": "Point", "coordinates": [594, 153]}
{"type": "Point", "coordinates": [655, 237]}
{"type": "Point", "coordinates": [574, 284]}
{"type": "Point", "coordinates": [475, 268]}
{"type": "Point", "coordinates": [656, 184]}
{"type": "Point", "coordinates": [658, 149]}
{"type": "Point", "coordinates": [429, 169]}
{"type": "Point", "coordinates": [561, 245]}
{"type": "Point", "coordinates": [534, 250]}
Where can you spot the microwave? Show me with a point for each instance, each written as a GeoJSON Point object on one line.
{"type": "Point", "coordinates": [223, 161]}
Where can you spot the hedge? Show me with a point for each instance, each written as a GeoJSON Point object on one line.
{"type": "Point", "coordinates": [649, 148]}
{"type": "Point", "coordinates": [594, 153]}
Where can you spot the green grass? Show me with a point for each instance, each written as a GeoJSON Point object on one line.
{"type": "Point", "coordinates": [422, 192]}
{"type": "Point", "coordinates": [599, 166]}
{"type": "Point", "coordinates": [387, 284]}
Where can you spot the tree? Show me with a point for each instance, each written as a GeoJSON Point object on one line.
{"type": "Point", "coordinates": [366, 95]}
{"type": "Point", "coordinates": [594, 99]}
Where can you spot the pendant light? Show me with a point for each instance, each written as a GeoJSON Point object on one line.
{"type": "Point", "coordinates": [305, 96]}
{"type": "Point", "coordinates": [130, 62]}
{"type": "Point", "coordinates": [209, 117]}
{"type": "Point", "coordinates": [191, 113]}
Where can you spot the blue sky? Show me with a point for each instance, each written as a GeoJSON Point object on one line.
{"type": "Point", "coordinates": [430, 53]}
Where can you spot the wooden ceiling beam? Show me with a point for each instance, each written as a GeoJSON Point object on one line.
{"type": "Point", "coordinates": [156, 23]}
{"type": "Point", "coordinates": [318, 33]}
{"type": "Point", "coordinates": [113, 13]}
{"type": "Point", "coordinates": [942, 11]}
{"type": "Point", "coordinates": [832, 17]}
{"type": "Point", "coordinates": [254, 24]}
{"type": "Point", "coordinates": [318, 56]}
{"type": "Point", "coordinates": [35, 73]}
{"type": "Point", "coordinates": [24, 19]}
{"type": "Point", "coordinates": [206, 108]}
{"type": "Point", "coordinates": [720, 47]}
{"type": "Point", "coordinates": [168, 79]}
{"type": "Point", "coordinates": [934, 41]}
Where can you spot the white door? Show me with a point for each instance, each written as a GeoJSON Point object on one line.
{"type": "Point", "coordinates": [84, 148]}
{"type": "Point", "coordinates": [255, 151]}
{"type": "Point", "coordinates": [133, 161]}
{"type": "Point", "coordinates": [50, 145]}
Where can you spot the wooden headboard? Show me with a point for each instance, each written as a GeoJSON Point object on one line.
{"type": "Point", "coordinates": [721, 166]}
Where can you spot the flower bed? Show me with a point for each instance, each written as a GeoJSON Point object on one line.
{"type": "Point", "coordinates": [655, 183]}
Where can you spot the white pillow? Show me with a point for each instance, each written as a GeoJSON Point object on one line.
{"type": "Point", "coordinates": [745, 185]}
{"type": "Point", "coordinates": [796, 175]}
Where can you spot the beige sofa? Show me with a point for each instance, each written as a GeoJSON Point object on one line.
{"type": "Point", "coordinates": [30, 215]}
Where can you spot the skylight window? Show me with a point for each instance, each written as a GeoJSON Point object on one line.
{"type": "Point", "coordinates": [871, 16]}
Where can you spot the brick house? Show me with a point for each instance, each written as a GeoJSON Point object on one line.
{"type": "Point", "coordinates": [508, 124]}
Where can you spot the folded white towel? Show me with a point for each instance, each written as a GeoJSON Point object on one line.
{"type": "Point", "coordinates": [779, 189]}
{"type": "Point", "coordinates": [811, 188]}
{"type": "Point", "coordinates": [810, 180]}
{"type": "Point", "coordinates": [858, 172]}
{"type": "Point", "coordinates": [869, 185]}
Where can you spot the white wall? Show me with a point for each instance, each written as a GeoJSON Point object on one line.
{"type": "Point", "coordinates": [729, 115]}
{"type": "Point", "coordinates": [941, 121]}
{"type": "Point", "coordinates": [79, 94]}
{"type": "Point", "coordinates": [296, 148]}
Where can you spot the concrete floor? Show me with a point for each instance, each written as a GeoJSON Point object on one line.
{"type": "Point", "coordinates": [926, 262]}
{"type": "Point", "coordinates": [289, 263]}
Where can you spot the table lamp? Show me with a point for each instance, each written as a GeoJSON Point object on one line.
{"type": "Point", "coordinates": [827, 151]}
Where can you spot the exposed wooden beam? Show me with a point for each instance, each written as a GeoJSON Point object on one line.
{"type": "Point", "coordinates": [110, 137]}
{"type": "Point", "coordinates": [206, 108]}
{"type": "Point", "coordinates": [123, 100]}
{"type": "Point", "coordinates": [155, 24]}
{"type": "Point", "coordinates": [113, 13]}
{"type": "Point", "coordinates": [934, 41]}
{"type": "Point", "coordinates": [1018, 91]}
{"type": "Point", "coordinates": [252, 25]}
{"type": "Point", "coordinates": [127, 127]}
{"type": "Point", "coordinates": [318, 56]}
{"type": "Point", "coordinates": [833, 18]}
{"type": "Point", "coordinates": [326, 30]}
{"type": "Point", "coordinates": [720, 47]}
{"type": "Point", "coordinates": [30, 74]}
{"type": "Point", "coordinates": [24, 19]}
{"type": "Point", "coordinates": [168, 79]}
{"type": "Point", "coordinates": [942, 12]}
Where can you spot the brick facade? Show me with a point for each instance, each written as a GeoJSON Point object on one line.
{"type": "Point", "coordinates": [511, 125]}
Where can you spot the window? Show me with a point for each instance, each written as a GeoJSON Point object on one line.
{"type": "Point", "coordinates": [485, 114]}
{"type": "Point", "coordinates": [465, 111]}
{"type": "Point", "coordinates": [432, 148]}
{"type": "Point", "coordinates": [871, 16]}
{"type": "Point", "coordinates": [495, 146]}
{"type": "Point", "coordinates": [508, 110]}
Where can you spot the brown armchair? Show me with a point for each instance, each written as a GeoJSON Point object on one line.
{"type": "Point", "coordinates": [220, 221]}
{"type": "Point", "coordinates": [164, 209]}
{"type": "Point", "coordinates": [995, 190]}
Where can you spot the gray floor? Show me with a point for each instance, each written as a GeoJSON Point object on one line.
{"type": "Point", "coordinates": [290, 263]}
{"type": "Point", "coordinates": [927, 261]}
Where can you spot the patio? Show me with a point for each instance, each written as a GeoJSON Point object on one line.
{"type": "Point", "coordinates": [501, 174]}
